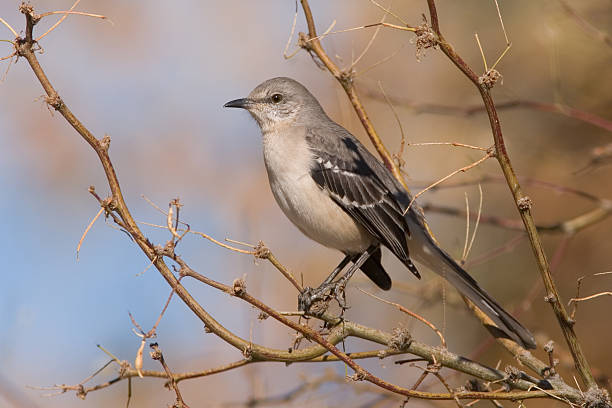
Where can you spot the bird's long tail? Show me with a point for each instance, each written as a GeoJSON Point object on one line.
{"type": "Point", "coordinates": [424, 250]}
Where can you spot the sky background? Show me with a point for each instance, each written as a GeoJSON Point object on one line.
{"type": "Point", "coordinates": [156, 79]}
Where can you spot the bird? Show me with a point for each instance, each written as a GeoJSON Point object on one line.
{"type": "Point", "coordinates": [340, 195]}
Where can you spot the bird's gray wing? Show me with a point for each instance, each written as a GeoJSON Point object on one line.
{"type": "Point", "coordinates": [342, 167]}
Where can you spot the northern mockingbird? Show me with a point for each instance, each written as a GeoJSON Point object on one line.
{"type": "Point", "coordinates": [338, 194]}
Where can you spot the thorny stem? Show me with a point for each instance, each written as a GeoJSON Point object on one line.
{"type": "Point", "coordinates": [522, 201]}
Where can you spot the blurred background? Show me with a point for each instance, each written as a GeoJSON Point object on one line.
{"type": "Point", "coordinates": [156, 79]}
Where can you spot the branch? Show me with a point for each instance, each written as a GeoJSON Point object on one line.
{"type": "Point", "coordinates": [522, 201]}
{"type": "Point", "coordinates": [470, 110]}
{"type": "Point", "coordinates": [427, 352]}
{"type": "Point", "coordinates": [570, 226]}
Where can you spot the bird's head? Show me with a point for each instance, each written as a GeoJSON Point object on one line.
{"type": "Point", "coordinates": [279, 102]}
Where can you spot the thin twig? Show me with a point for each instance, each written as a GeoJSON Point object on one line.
{"type": "Point", "coordinates": [203, 235]}
{"type": "Point", "coordinates": [467, 228]}
{"type": "Point", "coordinates": [469, 110]}
{"type": "Point", "coordinates": [400, 153]}
{"type": "Point", "coordinates": [285, 55]}
{"type": "Point", "coordinates": [501, 21]}
{"type": "Point", "coordinates": [79, 13]}
{"type": "Point", "coordinates": [456, 144]}
{"type": "Point", "coordinates": [9, 27]}
{"type": "Point", "coordinates": [410, 313]}
{"type": "Point", "coordinates": [582, 299]}
{"type": "Point", "coordinates": [94, 219]}
{"type": "Point", "coordinates": [368, 46]}
{"type": "Point", "coordinates": [388, 11]}
{"type": "Point", "coordinates": [54, 26]}
{"type": "Point", "coordinates": [476, 224]}
{"type": "Point", "coordinates": [443, 179]}
{"type": "Point", "coordinates": [484, 59]}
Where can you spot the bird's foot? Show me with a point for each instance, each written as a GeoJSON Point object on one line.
{"type": "Point", "coordinates": [314, 301]}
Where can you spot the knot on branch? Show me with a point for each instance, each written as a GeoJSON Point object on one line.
{"type": "Point", "coordinates": [80, 392]}
{"type": "Point", "coordinates": [305, 42]}
{"type": "Point", "coordinates": [358, 376]}
{"type": "Point", "coordinates": [524, 203]}
{"type": "Point", "coordinates": [513, 374]}
{"type": "Point", "coordinates": [105, 142]}
{"type": "Point", "coordinates": [401, 339]}
{"type": "Point", "coordinates": [238, 287]}
{"type": "Point", "coordinates": [28, 9]}
{"type": "Point", "coordinates": [347, 76]}
{"type": "Point", "coordinates": [490, 78]}
{"type": "Point", "coordinates": [550, 298]}
{"type": "Point", "coordinates": [491, 151]}
{"type": "Point", "coordinates": [596, 397]}
{"type": "Point", "coordinates": [54, 101]}
{"type": "Point", "coordinates": [425, 38]}
{"type": "Point", "coordinates": [155, 353]}
{"type": "Point", "coordinates": [159, 250]}
{"type": "Point", "coordinates": [248, 352]}
{"type": "Point", "coordinates": [261, 251]}
{"type": "Point", "coordinates": [169, 249]}
{"type": "Point", "coordinates": [124, 366]}
{"type": "Point", "coordinates": [549, 347]}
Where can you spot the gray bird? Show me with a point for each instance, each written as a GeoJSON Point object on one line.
{"type": "Point", "coordinates": [339, 195]}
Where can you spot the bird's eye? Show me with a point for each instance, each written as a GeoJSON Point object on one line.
{"type": "Point", "coordinates": [276, 98]}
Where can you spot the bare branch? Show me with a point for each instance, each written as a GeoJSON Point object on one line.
{"type": "Point", "coordinates": [523, 202]}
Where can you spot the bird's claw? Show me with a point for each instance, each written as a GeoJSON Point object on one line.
{"type": "Point", "coordinates": [314, 301]}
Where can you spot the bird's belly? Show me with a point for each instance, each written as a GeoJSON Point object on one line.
{"type": "Point", "coordinates": [318, 216]}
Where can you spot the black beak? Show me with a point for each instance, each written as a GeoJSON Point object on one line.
{"type": "Point", "coordinates": [243, 103]}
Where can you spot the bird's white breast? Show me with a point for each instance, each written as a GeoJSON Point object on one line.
{"type": "Point", "coordinates": [288, 161]}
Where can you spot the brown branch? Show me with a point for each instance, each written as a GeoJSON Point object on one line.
{"type": "Point", "coordinates": [570, 226]}
{"type": "Point", "coordinates": [469, 110]}
{"type": "Point", "coordinates": [522, 201]}
{"type": "Point", "coordinates": [239, 290]}
{"type": "Point", "coordinates": [487, 178]}
{"type": "Point", "coordinates": [262, 252]}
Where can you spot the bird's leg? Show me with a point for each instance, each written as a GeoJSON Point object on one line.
{"type": "Point", "coordinates": [357, 264]}
{"type": "Point", "coordinates": [337, 270]}
{"type": "Point", "coordinates": [329, 289]}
